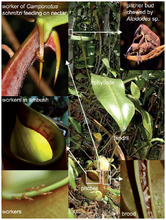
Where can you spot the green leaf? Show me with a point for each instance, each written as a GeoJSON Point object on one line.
{"type": "Point", "coordinates": [76, 145]}
{"type": "Point", "coordinates": [81, 66]}
{"type": "Point", "coordinates": [90, 53]}
{"type": "Point", "coordinates": [140, 82]}
{"type": "Point", "coordinates": [144, 151]}
{"type": "Point", "coordinates": [89, 162]}
{"type": "Point", "coordinates": [106, 63]}
{"type": "Point", "coordinates": [111, 93]}
{"type": "Point", "coordinates": [143, 131]}
{"type": "Point", "coordinates": [72, 177]}
{"type": "Point", "coordinates": [65, 118]}
{"type": "Point", "coordinates": [146, 117]}
{"type": "Point", "coordinates": [116, 192]}
{"type": "Point", "coordinates": [76, 125]}
{"type": "Point", "coordinates": [73, 92]}
{"type": "Point", "coordinates": [113, 7]}
{"type": "Point", "coordinates": [83, 38]}
{"type": "Point", "coordinates": [135, 90]}
{"type": "Point", "coordinates": [157, 139]}
{"type": "Point", "coordinates": [81, 76]}
{"type": "Point", "coordinates": [145, 75]}
{"type": "Point", "coordinates": [75, 137]}
{"type": "Point", "coordinates": [149, 92]}
{"type": "Point", "coordinates": [156, 74]}
{"type": "Point", "coordinates": [130, 77]}
{"type": "Point", "coordinates": [70, 214]}
{"type": "Point", "coordinates": [113, 166]}
{"type": "Point", "coordinates": [71, 162]}
{"type": "Point", "coordinates": [81, 59]}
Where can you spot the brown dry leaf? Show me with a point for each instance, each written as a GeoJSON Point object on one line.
{"type": "Point", "coordinates": [82, 210]}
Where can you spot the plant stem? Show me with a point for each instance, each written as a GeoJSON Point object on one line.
{"type": "Point", "coordinates": [144, 98]}
{"type": "Point", "coordinates": [44, 88]}
{"type": "Point", "coordinates": [115, 148]}
{"type": "Point", "coordinates": [105, 145]}
{"type": "Point", "coordinates": [100, 41]}
{"type": "Point", "coordinates": [83, 50]}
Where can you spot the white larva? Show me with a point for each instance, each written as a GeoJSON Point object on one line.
{"type": "Point", "coordinates": [146, 196]}
{"type": "Point", "coordinates": [144, 179]}
{"type": "Point", "coordinates": [143, 165]}
{"type": "Point", "coordinates": [146, 190]}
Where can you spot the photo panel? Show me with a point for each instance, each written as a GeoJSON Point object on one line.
{"type": "Point", "coordinates": [142, 37]}
{"type": "Point", "coordinates": [116, 107]}
{"type": "Point", "coordinates": [142, 189]}
{"type": "Point", "coordinates": [34, 134]}
{"type": "Point", "coordinates": [34, 33]}
{"type": "Point", "coordinates": [34, 157]}
{"type": "Point", "coordinates": [34, 193]}
{"type": "Point", "coordinates": [94, 57]}
{"type": "Point", "coordinates": [82, 100]}
{"type": "Point", "coordinates": [34, 109]}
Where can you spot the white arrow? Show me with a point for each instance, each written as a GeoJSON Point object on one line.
{"type": "Point", "coordinates": [119, 178]}
{"type": "Point", "coordinates": [67, 63]}
{"type": "Point", "coordinates": [71, 32]}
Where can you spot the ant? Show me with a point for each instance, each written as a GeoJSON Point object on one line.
{"type": "Point", "coordinates": [26, 197]}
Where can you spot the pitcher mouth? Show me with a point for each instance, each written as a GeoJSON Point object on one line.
{"type": "Point", "coordinates": [46, 127]}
